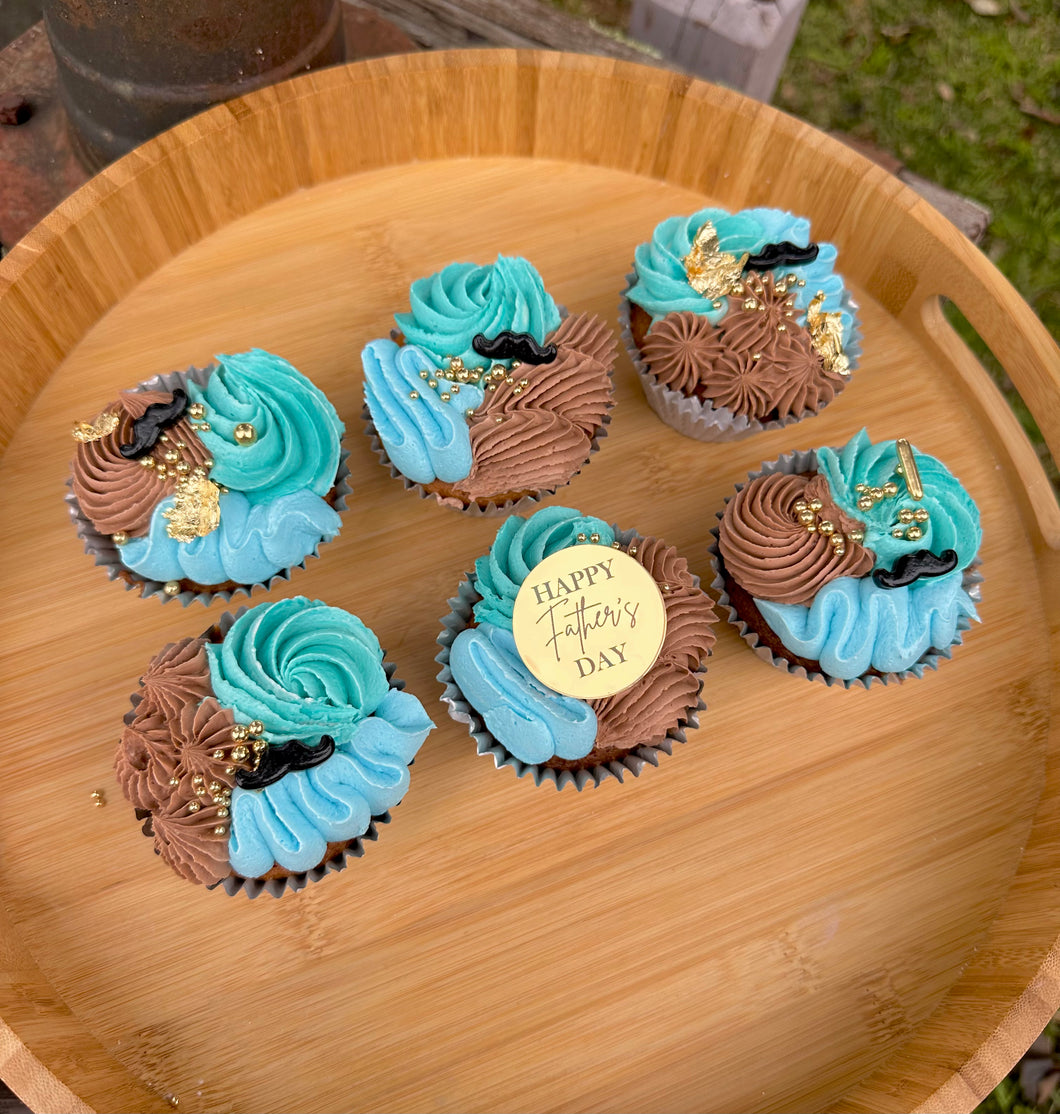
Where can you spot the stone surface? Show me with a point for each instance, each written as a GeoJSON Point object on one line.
{"type": "Point", "coordinates": [739, 43]}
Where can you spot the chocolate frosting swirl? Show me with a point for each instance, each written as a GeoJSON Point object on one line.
{"type": "Point", "coordinates": [144, 757]}
{"type": "Point", "coordinates": [681, 346]}
{"type": "Point", "coordinates": [645, 711]}
{"type": "Point", "coordinates": [188, 840]}
{"type": "Point", "coordinates": [177, 674]}
{"type": "Point", "coordinates": [576, 385]}
{"type": "Point", "coordinates": [773, 556]}
{"type": "Point", "coordinates": [522, 450]}
{"type": "Point", "coordinates": [789, 378]}
{"type": "Point", "coordinates": [117, 494]}
{"type": "Point", "coordinates": [535, 437]}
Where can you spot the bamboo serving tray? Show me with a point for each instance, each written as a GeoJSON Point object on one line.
{"type": "Point", "coordinates": [825, 900]}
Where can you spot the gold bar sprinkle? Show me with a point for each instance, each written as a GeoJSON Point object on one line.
{"type": "Point", "coordinates": [908, 469]}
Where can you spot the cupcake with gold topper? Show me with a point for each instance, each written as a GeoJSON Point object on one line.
{"type": "Point", "coordinates": [488, 396]}
{"type": "Point", "coordinates": [853, 566]}
{"type": "Point", "coordinates": [262, 755]}
{"type": "Point", "coordinates": [209, 482]}
{"type": "Point", "coordinates": [738, 322]}
{"type": "Point", "coordinates": [575, 651]}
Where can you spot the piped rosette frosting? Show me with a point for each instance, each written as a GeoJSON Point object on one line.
{"type": "Point", "coordinates": [224, 480]}
{"type": "Point", "coordinates": [471, 429]}
{"type": "Point", "coordinates": [856, 564]}
{"type": "Point", "coordinates": [265, 749]}
{"type": "Point", "coordinates": [534, 723]}
{"type": "Point", "coordinates": [712, 320]}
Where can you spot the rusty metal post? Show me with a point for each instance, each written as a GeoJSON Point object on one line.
{"type": "Point", "coordinates": [128, 69]}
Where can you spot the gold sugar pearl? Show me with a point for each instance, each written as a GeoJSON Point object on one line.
{"type": "Point", "coordinates": [147, 462]}
{"type": "Point", "coordinates": [222, 812]}
{"type": "Point", "coordinates": [816, 505]}
{"type": "Point", "coordinates": [616, 545]}
{"type": "Point", "coordinates": [840, 550]}
{"type": "Point", "coordinates": [194, 806]}
{"type": "Point", "coordinates": [517, 390]}
{"type": "Point", "coordinates": [897, 533]}
{"type": "Point", "coordinates": [861, 488]}
{"type": "Point", "coordinates": [800, 505]}
{"type": "Point", "coordinates": [256, 727]}
{"type": "Point", "coordinates": [219, 755]}
{"type": "Point", "coordinates": [120, 538]}
{"type": "Point", "coordinates": [220, 830]}
{"type": "Point", "coordinates": [856, 536]}
{"type": "Point", "coordinates": [171, 588]}
{"type": "Point", "coordinates": [197, 779]}
{"type": "Point", "coordinates": [174, 781]}
{"type": "Point", "coordinates": [906, 515]}
{"type": "Point", "coordinates": [835, 539]}
{"type": "Point", "coordinates": [469, 413]}
{"type": "Point", "coordinates": [594, 537]}
{"type": "Point", "coordinates": [914, 533]}
{"type": "Point", "coordinates": [196, 410]}
{"type": "Point", "coordinates": [633, 551]}
{"type": "Point", "coordinates": [454, 389]}
{"type": "Point", "coordinates": [718, 305]}
{"type": "Point", "coordinates": [445, 396]}
{"type": "Point", "coordinates": [516, 363]}
{"type": "Point", "coordinates": [183, 467]}
{"type": "Point", "coordinates": [876, 493]}
{"type": "Point", "coordinates": [432, 383]}
{"type": "Point", "coordinates": [240, 753]}
{"type": "Point", "coordinates": [425, 374]}
{"type": "Point", "coordinates": [163, 437]}
{"type": "Point", "coordinates": [825, 527]}
{"type": "Point", "coordinates": [583, 537]}
{"type": "Point", "coordinates": [414, 395]}
{"type": "Point", "coordinates": [215, 787]}
{"type": "Point", "coordinates": [161, 471]}
{"type": "Point", "coordinates": [920, 515]}
{"type": "Point", "coordinates": [806, 517]}
{"type": "Point", "coordinates": [890, 489]}
{"type": "Point", "coordinates": [239, 732]}
{"type": "Point", "coordinates": [865, 503]}
{"type": "Point", "coordinates": [245, 434]}
{"type": "Point", "coordinates": [499, 420]}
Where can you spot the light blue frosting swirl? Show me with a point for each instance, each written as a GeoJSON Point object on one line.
{"type": "Point", "coordinates": [448, 308]}
{"type": "Point", "coordinates": [661, 285]}
{"type": "Point", "coordinates": [528, 718]}
{"type": "Point", "coordinates": [252, 542]}
{"type": "Point", "coordinates": [292, 821]}
{"type": "Point", "coordinates": [852, 625]}
{"type": "Point", "coordinates": [953, 518]}
{"type": "Point", "coordinates": [300, 667]}
{"type": "Point", "coordinates": [425, 438]}
{"type": "Point", "coordinates": [522, 543]}
{"type": "Point", "coordinates": [298, 431]}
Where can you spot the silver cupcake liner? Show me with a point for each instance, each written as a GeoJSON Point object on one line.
{"type": "Point", "coordinates": [702, 420]}
{"type": "Point", "coordinates": [101, 547]}
{"type": "Point", "coordinates": [631, 763]}
{"type": "Point", "coordinates": [792, 464]}
{"type": "Point", "coordinates": [490, 508]}
{"type": "Point", "coordinates": [275, 887]}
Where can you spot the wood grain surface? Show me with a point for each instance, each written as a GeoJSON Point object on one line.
{"type": "Point", "coordinates": [826, 899]}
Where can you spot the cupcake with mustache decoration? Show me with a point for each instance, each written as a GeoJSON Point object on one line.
{"type": "Point", "coordinates": [853, 566]}
{"type": "Point", "coordinates": [263, 754]}
{"type": "Point", "coordinates": [488, 395]}
{"type": "Point", "coordinates": [738, 322]}
{"type": "Point", "coordinates": [206, 483]}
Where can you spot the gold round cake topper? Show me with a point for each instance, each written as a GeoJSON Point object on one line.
{"type": "Point", "coordinates": [589, 621]}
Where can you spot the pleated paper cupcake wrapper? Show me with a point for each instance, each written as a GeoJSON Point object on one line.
{"type": "Point", "coordinates": [101, 547]}
{"type": "Point", "coordinates": [275, 887]}
{"type": "Point", "coordinates": [793, 464]}
{"type": "Point", "coordinates": [701, 420]}
{"type": "Point", "coordinates": [630, 764]}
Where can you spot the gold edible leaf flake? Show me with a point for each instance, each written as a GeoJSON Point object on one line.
{"type": "Point", "coordinates": [196, 509]}
{"type": "Point", "coordinates": [826, 335]}
{"type": "Point", "coordinates": [711, 271]}
{"type": "Point", "coordinates": [106, 423]}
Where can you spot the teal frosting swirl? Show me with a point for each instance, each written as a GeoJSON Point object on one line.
{"type": "Point", "coordinates": [298, 431]}
{"type": "Point", "coordinates": [448, 308]}
{"type": "Point", "coordinates": [300, 667]}
{"type": "Point", "coordinates": [661, 284]}
{"type": "Point", "coordinates": [953, 518]}
{"type": "Point", "coordinates": [426, 439]}
{"type": "Point", "coordinates": [292, 821]}
{"type": "Point", "coordinates": [853, 626]}
{"type": "Point", "coordinates": [526, 717]}
{"type": "Point", "coordinates": [522, 543]}
{"type": "Point", "coordinates": [251, 543]}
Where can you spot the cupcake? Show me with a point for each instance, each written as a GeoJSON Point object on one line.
{"type": "Point", "coordinates": [211, 481]}
{"type": "Point", "coordinates": [487, 394]}
{"type": "Point", "coordinates": [575, 651]}
{"type": "Point", "coordinates": [262, 754]}
{"type": "Point", "coordinates": [738, 322]}
{"type": "Point", "coordinates": [851, 565]}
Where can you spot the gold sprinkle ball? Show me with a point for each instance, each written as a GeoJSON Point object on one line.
{"type": "Point", "coordinates": [256, 727]}
{"type": "Point", "coordinates": [171, 588]}
{"type": "Point", "coordinates": [120, 538]}
{"type": "Point", "coordinates": [920, 514]}
{"type": "Point", "coordinates": [245, 434]}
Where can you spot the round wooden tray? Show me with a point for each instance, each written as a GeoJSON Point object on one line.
{"type": "Point", "coordinates": [826, 899]}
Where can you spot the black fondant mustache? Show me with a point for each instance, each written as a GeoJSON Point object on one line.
{"type": "Point", "coordinates": [784, 254]}
{"type": "Point", "coordinates": [910, 567]}
{"type": "Point", "coordinates": [151, 424]}
{"type": "Point", "coordinates": [513, 346]}
{"type": "Point", "coordinates": [276, 761]}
